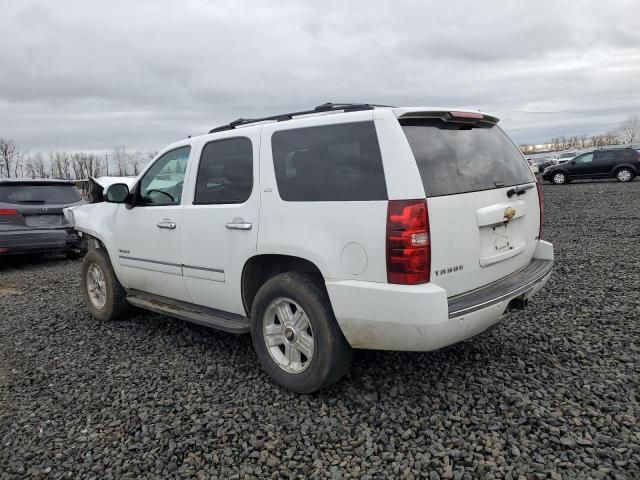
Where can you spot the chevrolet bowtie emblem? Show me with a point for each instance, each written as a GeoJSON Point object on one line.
{"type": "Point", "coordinates": [509, 213]}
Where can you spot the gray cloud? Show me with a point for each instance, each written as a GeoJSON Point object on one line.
{"type": "Point", "coordinates": [87, 75]}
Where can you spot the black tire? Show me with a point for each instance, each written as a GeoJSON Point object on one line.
{"type": "Point", "coordinates": [115, 305]}
{"type": "Point", "coordinates": [559, 178]}
{"type": "Point", "coordinates": [624, 175]}
{"type": "Point", "coordinates": [332, 353]}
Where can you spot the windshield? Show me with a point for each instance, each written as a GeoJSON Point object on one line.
{"type": "Point", "coordinates": [41, 194]}
{"type": "Point", "coordinates": [457, 158]}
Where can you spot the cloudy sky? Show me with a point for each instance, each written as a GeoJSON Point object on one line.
{"type": "Point", "coordinates": [90, 75]}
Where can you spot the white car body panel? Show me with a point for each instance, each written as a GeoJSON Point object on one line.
{"type": "Point", "coordinates": [213, 256]}
{"type": "Point", "coordinates": [341, 238]}
{"type": "Point", "coordinates": [201, 261]}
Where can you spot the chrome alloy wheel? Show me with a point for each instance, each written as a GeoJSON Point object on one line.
{"type": "Point", "coordinates": [624, 175]}
{"type": "Point", "coordinates": [559, 178]}
{"type": "Point", "coordinates": [96, 286]}
{"type": "Point", "coordinates": [288, 335]}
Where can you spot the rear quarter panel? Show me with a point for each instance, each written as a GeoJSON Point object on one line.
{"type": "Point", "coordinates": [344, 239]}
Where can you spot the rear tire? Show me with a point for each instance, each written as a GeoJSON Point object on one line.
{"type": "Point", "coordinates": [559, 178]}
{"type": "Point", "coordinates": [624, 175]}
{"type": "Point", "coordinates": [296, 335]}
{"type": "Point", "coordinates": [104, 296]}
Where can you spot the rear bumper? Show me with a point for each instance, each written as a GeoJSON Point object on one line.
{"type": "Point", "coordinates": [38, 240]}
{"type": "Point", "coordinates": [421, 317]}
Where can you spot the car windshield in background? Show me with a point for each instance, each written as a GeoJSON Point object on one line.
{"type": "Point", "coordinates": [39, 194]}
{"type": "Point", "coordinates": [455, 158]}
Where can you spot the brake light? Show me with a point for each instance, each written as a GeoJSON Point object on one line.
{"type": "Point", "coordinates": [3, 250]}
{"type": "Point", "coordinates": [541, 210]}
{"type": "Point", "coordinates": [466, 115]}
{"type": "Point", "coordinates": [408, 242]}
{"type": "Point", "coordinates": [8, 211]}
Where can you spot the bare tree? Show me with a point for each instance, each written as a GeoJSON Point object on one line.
{"type": "Point", "coordinates": [86, 165]}
{"type": "Point", "coordinates": [10, 158]}
{"type": "Point", "coordinates": [630, 129]}
{"type": "Point", "coordinates": [60, 164]}
{"type": "Point", "coordinates": [35, 166]}
{"type": "Point", "coordinates": [122, 160]}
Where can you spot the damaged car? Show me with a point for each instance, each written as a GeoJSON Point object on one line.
{"type": "Point", "coordinates": [325, 230]}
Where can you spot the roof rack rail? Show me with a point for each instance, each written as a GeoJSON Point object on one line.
{"type": "Point", "coordinates": [325, 107]}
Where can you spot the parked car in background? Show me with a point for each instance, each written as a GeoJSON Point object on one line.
{"type": "Point", "coordinates": [533, 165]}
{"type": "Point", "coordinates": [564, 157]}
{"type": "Point", "coordinates": [622, 164]}
{"type": "Point", "coordinates": [31, 218]}
{"type": "Point", "coordinates": [345, 226]}
{"type": "Point", "coordinates": [544, 162]}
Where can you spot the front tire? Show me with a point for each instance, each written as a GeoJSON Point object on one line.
{"type": "Point", "coordinates": [624, 175]}
{"type": "Point", "coordinates": [559, 178]}
{"type": "Point", "coordinates": [295, 334]}
{"type": "Point", "coordinates": [104, 296]}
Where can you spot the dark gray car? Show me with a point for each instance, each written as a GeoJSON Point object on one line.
{"type": "Point", "coordinates": [31, 219]}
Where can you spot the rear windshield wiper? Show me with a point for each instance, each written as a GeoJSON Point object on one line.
{"type": "Point", "coordinates": [32, 202]}
{"type": "Point", "coordinates": [518, 190]}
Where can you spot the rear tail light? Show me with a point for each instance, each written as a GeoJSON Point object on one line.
{"type": "Point", "coordinates": [541, 210]}
{"type": "Point", "coordinates": [408, 242]}
{"type": "Point", "coordinates": [8, 211]}
{"type": "Point", "coordinates": [3, 250]}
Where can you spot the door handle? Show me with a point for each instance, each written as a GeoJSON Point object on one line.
{"type": "Point", "coordinates": [167, 225]}
{"type": "Point", "coordinates": [238, 224]}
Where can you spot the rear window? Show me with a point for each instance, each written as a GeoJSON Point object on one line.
{"type": "Point", "coordinates": [457, 158]}
{"type": "Point", "coordinates": [29, 194]}
{"type": "Point", "coordinates": [331, 162]}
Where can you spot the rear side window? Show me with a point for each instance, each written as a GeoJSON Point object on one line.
{"type": "Point", "coordinates": [329, 163]}
{"type": "Point", "coordinates": [29, 194]}
{"type": "Point", "coordinates": [225, 174]}
{"type": "Point", "coordinates": [457, 158]}
{"type": "Point", "coordinates": [605, 156]}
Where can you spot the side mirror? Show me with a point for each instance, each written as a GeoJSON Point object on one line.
{"type": "Point", "coordinates": [573, 162]}
{"type": "Point", "coordinates": [117, 193]}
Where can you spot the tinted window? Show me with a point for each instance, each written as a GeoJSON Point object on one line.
{"type": "Point", "coordinates": [162, 184]}
{"type": "Point", "coordinates": [225, 174]}
{"type": "Point", "coordinates": [626, 155]}
{"type": "Point", "coordinates": [457, 158]}
{"type": "Point", "coordinates": [331, 162]}
{"type": "Point", "coordinates": [605, 156]}
{"type": "Point", "coordinates": [26, 194]}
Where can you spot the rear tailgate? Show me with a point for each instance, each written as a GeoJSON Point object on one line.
{"type": "Point", "coordinates": [35, 205]}
{"type": "Point", "coordinates": [481, 231]}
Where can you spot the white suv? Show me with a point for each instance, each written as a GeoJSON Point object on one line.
{"type": "Point", "coordinates": [347, 226]}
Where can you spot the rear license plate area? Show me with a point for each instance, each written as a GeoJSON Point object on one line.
{"type": "Point", "coordinates": [49, 220]}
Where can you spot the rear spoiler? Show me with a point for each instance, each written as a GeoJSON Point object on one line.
{"type": "Point", "coordinates": [472, 118]}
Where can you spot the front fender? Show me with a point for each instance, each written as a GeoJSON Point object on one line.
{"type": "Point", "coordinates": [99, 221]}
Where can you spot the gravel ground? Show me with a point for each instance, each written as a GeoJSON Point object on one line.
{"type": "Point", "coordinates": [553, 393]}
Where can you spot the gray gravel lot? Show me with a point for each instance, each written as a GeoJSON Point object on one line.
{"type": "Point", "coordinates": [553, 393]}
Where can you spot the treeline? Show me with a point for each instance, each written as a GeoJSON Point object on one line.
{"type": "Point", "coordinates": [627, 133]}
{"type": "Point", "coordinates": [15, 163]}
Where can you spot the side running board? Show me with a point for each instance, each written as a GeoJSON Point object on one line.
{"type": "Point", "coordinates": [210, 317]}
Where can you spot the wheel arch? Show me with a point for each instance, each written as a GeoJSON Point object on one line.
{"type": "Point", "coordinates": [260, 268]}
{"type": "Point", "coordinates": [617, 168]}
